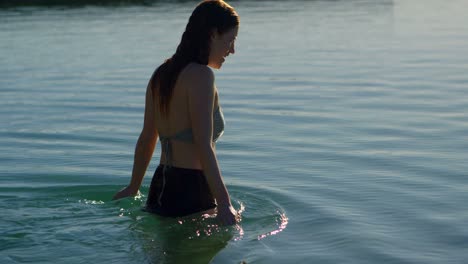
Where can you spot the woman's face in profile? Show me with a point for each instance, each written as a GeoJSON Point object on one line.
{"type": "Point", "coordinates": [221, 46]}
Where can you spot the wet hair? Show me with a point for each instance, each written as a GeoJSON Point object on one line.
{"type": "Point", "coordinates": [194, 46]}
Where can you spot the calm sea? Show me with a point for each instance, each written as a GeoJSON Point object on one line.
{"type": "Point", "coordinates": [346, 138]}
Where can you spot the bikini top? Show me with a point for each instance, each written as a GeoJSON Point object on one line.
{"type": "Point", "coordinates": [186, 135]}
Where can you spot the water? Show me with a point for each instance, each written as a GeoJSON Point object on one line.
{"type": "Point", "coordinates": [345, 142]}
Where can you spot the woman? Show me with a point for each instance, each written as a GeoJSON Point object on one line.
{"type": "Point", "coordinates": [182, 110]}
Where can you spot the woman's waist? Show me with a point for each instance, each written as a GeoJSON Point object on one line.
{"type": "Point", "coordinates": [180, 168]}
{"type": "Point", "coordinates": [187, 160]}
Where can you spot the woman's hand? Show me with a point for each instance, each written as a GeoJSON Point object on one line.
{"type": "Point", "coordinates": [227, 215]}
{"type": "Point", "coordinates": [125, 192]}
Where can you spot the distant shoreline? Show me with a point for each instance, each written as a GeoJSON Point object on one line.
{"type": "Point", "coordinates": [46, 3]}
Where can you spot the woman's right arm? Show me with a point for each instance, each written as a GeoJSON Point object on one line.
{"type": "Point", "coordinates": [144, 148]}
{"type": "Point", "coordinates": [201, 104]}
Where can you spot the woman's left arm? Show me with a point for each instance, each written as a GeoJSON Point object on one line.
{"type": "Point", "coordinates": [144, 148]}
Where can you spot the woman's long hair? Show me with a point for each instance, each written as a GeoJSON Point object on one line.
{"type": "Point", "coordinates": [209, 15]}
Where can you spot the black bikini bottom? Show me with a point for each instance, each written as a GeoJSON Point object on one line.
{"type": "Point", "coordinates": [178, 192]}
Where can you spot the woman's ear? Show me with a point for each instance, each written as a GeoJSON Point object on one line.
{"type": "Point", "coordinates": [214, 34]}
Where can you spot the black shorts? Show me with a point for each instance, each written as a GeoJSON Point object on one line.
{"type": "Point", "coordinates": [180, 192]}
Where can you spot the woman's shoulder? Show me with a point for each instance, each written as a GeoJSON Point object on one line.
{"type": "Point", "coordinates": [198, 80]}
{"type": "Point", "coordinates": [195, 73]}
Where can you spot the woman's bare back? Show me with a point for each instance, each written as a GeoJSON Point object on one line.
{"type": "Point", "coordinates": [184, 154]}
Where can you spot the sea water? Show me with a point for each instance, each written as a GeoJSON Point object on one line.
{"type": "Point", "coordinates": [346, 137]}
